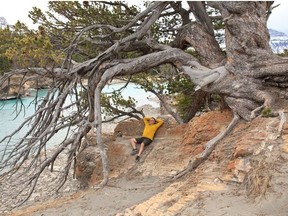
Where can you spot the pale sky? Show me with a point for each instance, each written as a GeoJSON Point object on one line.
{"type": "Point", "coordinates": [14, 10]}
{"type": "Point", "coordinates": [279, 18]}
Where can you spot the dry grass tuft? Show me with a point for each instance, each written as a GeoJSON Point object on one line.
{"type": "Point", "coordinates": [257, 180]}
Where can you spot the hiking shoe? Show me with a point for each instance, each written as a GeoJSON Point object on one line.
{"type": "Point", "coordinates": [137, 158]}
{"type": "Point", "coordinates": [133, 152]}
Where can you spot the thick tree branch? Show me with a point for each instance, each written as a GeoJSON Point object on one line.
{"type": "Point", "coordinates": [198, 9]}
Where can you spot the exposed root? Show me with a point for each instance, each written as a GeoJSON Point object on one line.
{"type": "Point", "coordinates": [268, 99]}
{"type": "Point", "coordinates": [209, 147]}
{"type": "Point", "coordinates": [282, 122]}
{"type": "Point", "coordinates": [101, 184]}
{"type": "Point", "coordinates": [255, 111]}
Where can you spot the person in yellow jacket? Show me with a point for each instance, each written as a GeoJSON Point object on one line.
{"type": "Point", "coordinates": [150, 128]}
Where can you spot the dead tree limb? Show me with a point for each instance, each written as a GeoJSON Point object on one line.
{"type": "Point", "coordinates": [99, 140]}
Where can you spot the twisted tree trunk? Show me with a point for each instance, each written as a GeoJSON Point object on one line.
{"type": "Point", "coordinates": [251, 71]}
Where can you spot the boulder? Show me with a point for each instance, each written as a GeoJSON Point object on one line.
{"type": "Point", "coordinates": [88, 168]}
{"type": "Point", "coordinates": [13, 90]}
{"type": "Point", "coordinates": [202, 129]}
{"type": "Point", "coordinates": [129, 128]}
{"type": "Point", "coordinates": [85, 165]}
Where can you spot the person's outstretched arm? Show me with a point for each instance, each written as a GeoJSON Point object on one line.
{"type": "Point", "coordinates": [146, 120]}
{"type": "Point", "coordinates": [159, 122]}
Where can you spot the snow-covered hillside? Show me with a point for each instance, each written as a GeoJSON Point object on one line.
{"type": "Point", "coordinates": [3, 22]}
{"type": "Point", "coordinates": [278, 41]}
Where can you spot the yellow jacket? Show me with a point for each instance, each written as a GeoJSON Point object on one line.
{"type": "Point", "coordinates": [150, 130]}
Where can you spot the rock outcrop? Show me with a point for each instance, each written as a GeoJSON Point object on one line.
{"type": "Point", "coordinates": [16, 87]}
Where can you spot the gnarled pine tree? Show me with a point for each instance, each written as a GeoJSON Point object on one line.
{"type": "Point", "coordinates": [248, 75]}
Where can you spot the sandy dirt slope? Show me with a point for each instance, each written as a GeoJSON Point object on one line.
{"type": "Point", "coordinates": [119, 194]}
{"type": "Point", "coordinates": [249, 162]}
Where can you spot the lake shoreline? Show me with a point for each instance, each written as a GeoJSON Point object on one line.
{"type": "Point", "coordinates": [72, 185]}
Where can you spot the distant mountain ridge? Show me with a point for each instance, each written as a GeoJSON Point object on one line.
{"type": "Point", "coordinates": [278, 41]}
{"type": "Point", "coordinates": [3, 22]}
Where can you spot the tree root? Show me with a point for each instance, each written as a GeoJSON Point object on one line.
{"type": "Point", "coordinates": [253, 113]}
{"type": "Point", "coordinates": [209, 147]}
{"type": "Point", "coordinates": [281, 123]}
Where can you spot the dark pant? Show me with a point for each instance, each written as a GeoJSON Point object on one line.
{"type": "Point", "coordinates": [144, 140]}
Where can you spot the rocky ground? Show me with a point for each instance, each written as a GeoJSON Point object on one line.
{"type": "Point", "coordinates": [245, 175]}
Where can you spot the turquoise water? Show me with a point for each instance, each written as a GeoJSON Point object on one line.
{"type": "Point", "coordinates": [9, 122]}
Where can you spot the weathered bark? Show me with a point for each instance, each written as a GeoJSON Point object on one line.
{"type": "Point", "coordinates": [98, 125]}
{"type": "Point", "coordinates": [208, 51]}
{"type": "Point", "coordinates": [181, 11]}
{"type": "Point", "coordinates": [249, 56]}
{"type": "Point", "coordinates": [247, 37]}
{"type": "Point", "coordinates": [199, 11]}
